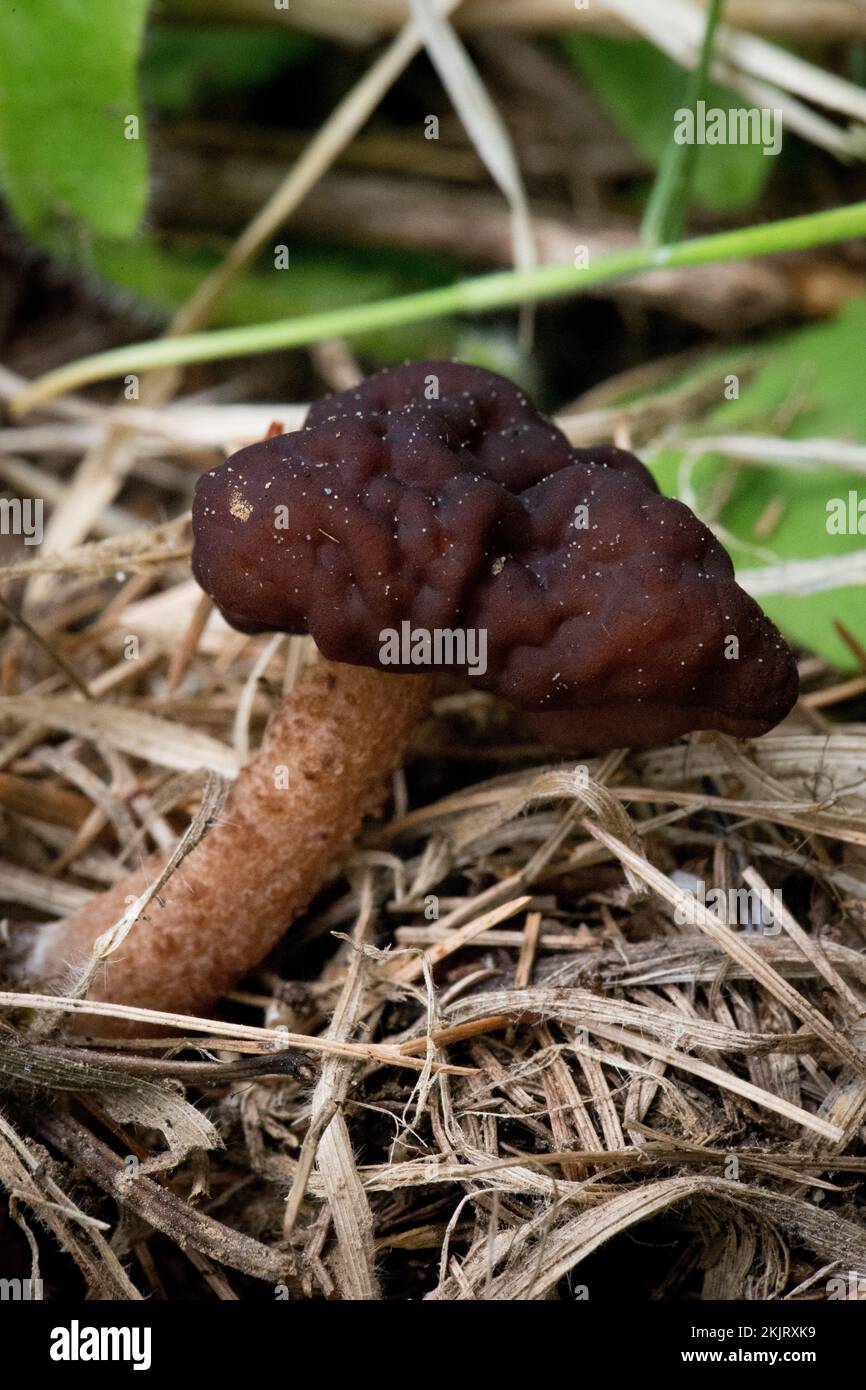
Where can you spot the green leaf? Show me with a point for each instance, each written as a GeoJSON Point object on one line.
{"type": "Point", "coordinates": [67, 86]}
{"type": "Point", "coordinates": [642, 88]}
{"type": "Point", "coordinates": [186, 64]}
{"type": "Point", "coordinates": [817, 372]}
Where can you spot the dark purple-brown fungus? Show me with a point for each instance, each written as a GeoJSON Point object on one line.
{"type": "Point", "coordinates": [432, 517]}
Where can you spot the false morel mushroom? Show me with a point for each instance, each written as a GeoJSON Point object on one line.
{"type": "Point", "coordinates": [435, 499]}
{"type": "Point", "coordinates": [431, 517]}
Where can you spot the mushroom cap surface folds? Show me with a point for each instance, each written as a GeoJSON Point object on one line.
{"type": "Point", "coordinates": [435, 499]}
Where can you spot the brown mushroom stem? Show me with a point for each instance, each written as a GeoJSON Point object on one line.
{"type": "Point", "coordinates": [294, 809]}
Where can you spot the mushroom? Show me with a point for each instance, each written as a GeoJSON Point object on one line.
{"type": "Point", "coordinates": [429, 517]}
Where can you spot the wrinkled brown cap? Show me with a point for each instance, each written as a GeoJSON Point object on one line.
{"type": "Point", "coordinates": [434, 499]}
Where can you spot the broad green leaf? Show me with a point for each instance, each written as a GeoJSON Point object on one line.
{"type": "Point", "coordinates": [642, 88]}
{"type": "Point", "coordinates": [816, 375]}
{"type": "Point", "coordinates": [185, 64]}
{"type": "Point", "coordinates": [68, 89]}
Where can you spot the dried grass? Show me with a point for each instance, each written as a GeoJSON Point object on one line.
{"type": "Point", "coordinates": [511, 1052]}
{"type": "Point", "coordinates": [492, 1048]}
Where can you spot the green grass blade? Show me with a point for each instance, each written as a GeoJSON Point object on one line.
{"type": "Point", "coordinates": [668, 204]}
{"type": "Point", "coordinates": [504, 289]}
